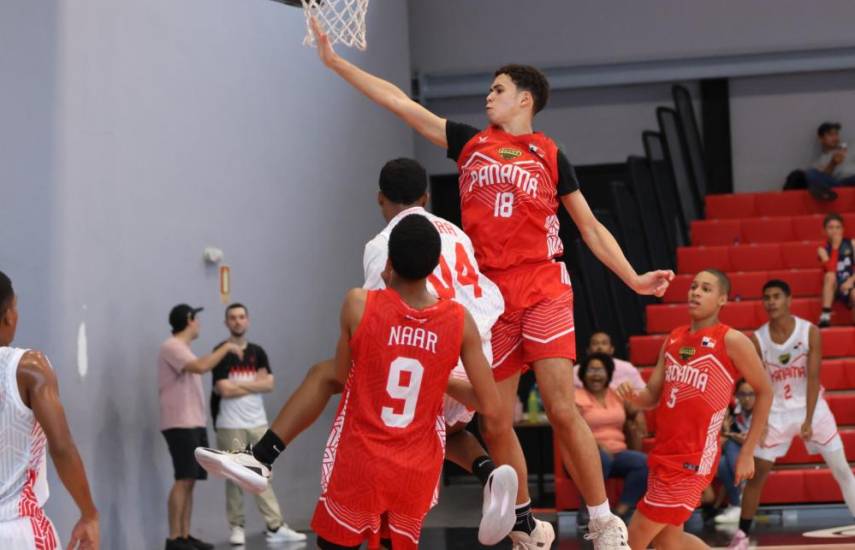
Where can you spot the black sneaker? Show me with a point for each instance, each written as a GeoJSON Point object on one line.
{"type": "Point", "coordinates": [178, 544]}
{"type": "Point", "coordinates": [193, 542]}
{"type": "Point", "coordinates": [820, 193]}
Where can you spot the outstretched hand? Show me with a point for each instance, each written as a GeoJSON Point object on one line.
{"type": "Point", "coordinates": [627, 392]}
{"type": "Point", "coordinates": [325, 50]}
{"type": "Point", "coordinates": [655, 282]}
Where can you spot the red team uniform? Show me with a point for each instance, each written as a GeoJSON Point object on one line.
{"type": "Point", "coordinates": [387, 444]}
{"type": "Point", "coordinates": [698, 387]}
{"type": "Point", "coordinates": [509, 188]}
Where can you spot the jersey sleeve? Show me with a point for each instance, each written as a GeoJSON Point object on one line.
{"type": "Point", "coordinates": [458, 135]}
{"type": "Point", "coordinates": [374, 262]}
{"type": "Point", "coordinates": [567, 181]}
{"type": "Point", "coordinates": [263, 362]}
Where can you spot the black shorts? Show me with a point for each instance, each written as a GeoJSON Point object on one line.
{"type": "Point", "coordinates": [182, 444]}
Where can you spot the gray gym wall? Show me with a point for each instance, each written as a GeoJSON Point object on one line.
{"type": "Point", "coordinates": [773, 118]}
{"type": "Point", "coordinates": [135, 134]}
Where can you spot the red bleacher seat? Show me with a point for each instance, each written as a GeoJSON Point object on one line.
{"type": "Point", "coordinates": [716, 232]}
{"type": "Point", "coordinates": [766, 230]}
{"type": "Point", "coordinates": [845, 202]}
{"type": "Point", "coordinates": [838, 342]}
{"type": "Point", "coordinates": [744, 315]}
{"type": "Point", "coordinates": [800, 254]}
{"type": "Point", "coordinates": [691, 259]}
{"type": "Point", "coordinates": [803, 282]}
{"type": "Point", "coordinates": [644, 349]}
{"type": "Point", "coordinates": [756, 257]}
{"type": "Point", "coordinates": [835, 374]}
{"type": "Point", "coordinates": [740, 205]}
{"type": "Point", "coordinates": [843, 407]}
{"type": "Point", "coordinates": [782, 203]}
{"type": "Point", "coordinates": [748, 285]}
{"type": "Point", "coordinates": [798, 453]}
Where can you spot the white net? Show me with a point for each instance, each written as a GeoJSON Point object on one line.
{"type": "Point", "coordinates": [342, 20]}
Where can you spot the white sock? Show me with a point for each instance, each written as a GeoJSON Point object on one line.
{"type": "Point", "coordinates": [842, 473]}
{"type": "Point", "coordinates": [599, 511]}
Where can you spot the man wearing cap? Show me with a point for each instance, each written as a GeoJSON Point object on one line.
{"type": "Point", "coordinates": [183, 418]}
{"type": "Point", "coordinates": [834, 167]}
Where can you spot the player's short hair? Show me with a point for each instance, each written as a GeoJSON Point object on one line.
{"type": "Point", "coordinates": [414, 247]}
{"type": "Point", "coordinates": [403, 180]}
{"type": "Point", "coordinates": [778, 283]}
{"type": "Point", "coordinates": [236, 305]}
{"type": "Point", "coordinates": [603, 358]}
{"type": "Point", "coordinates": [831, 217]}
{"type": "Point", "coordinates": [530, 79]}
{"type": "Point", "coordinates": [723, 280]}
{"type": "Point", "coordinates": [6, 293]}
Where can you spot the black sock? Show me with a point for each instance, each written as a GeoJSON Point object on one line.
{"type": "Point", "coordinates": [745, 525]}
{"type": "Point", "coordinates": [482, 467]}
{"type": "Point", "coordinates": [525, 521]}
{"type": "Point", "coordinates": [268, 448]}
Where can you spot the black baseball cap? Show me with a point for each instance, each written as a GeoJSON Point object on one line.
{"type": "Point", "coordinates": [826, 127]}
{"type": "Point", "coordinates": [180, 315]}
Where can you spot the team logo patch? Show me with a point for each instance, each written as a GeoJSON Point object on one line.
{"type": "Point", "coordinates": [687, 352]}
{"type": "Point", "coordinates": [509, 153]}
{"type": "Point", "coordinates": [784, 358]}
{"type": "Point", "coordinates": [707, 342]}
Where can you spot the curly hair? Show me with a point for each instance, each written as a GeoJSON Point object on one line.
{"type": "Point", "coordinates": [530, 79]}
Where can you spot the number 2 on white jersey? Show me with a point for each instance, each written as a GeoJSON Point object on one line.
{"type": "Point", "coordinates": [409, 393]}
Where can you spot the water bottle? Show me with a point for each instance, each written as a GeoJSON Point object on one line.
{"type": "Point", "coordinates": [533, 407]}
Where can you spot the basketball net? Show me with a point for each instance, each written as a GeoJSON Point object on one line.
{"type": "Point", "coordinates": [342, 20]}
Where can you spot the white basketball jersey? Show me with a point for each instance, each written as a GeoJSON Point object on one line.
{"type": "Point", "coordinates": [787, 366]}
{"type": "Point", "coordinates": [23, 483]}
{"type": "Point", "coordinates": [457, 276]}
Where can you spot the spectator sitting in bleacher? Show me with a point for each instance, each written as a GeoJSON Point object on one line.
{"type": "Point", "coordinates": [610, 420]}
{"type": "Point", "coordinates": [834, 167]}
{"type": "Point", "coordinates": [601, 342]}
{"type": "Point", "coordinates": [838, 259]}
{"type": "Point", "coordinates": [735, 427]}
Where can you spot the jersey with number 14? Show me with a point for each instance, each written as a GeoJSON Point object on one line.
{"type": "Point", "coordinates": [387, 444]}
{"type": "Point", "coordinates": [698, 387]}
{"type": "Point", "coordinates": [509, 198]}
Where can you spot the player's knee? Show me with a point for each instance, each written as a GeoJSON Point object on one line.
{"type": "Point", "coordinates": [495, 427]}
{"type": "Point", "coordinates": [830, 279]}
{"type": "Point", "coordinates": [562, 412]}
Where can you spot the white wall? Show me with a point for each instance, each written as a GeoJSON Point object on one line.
{"type": "Point", "coordinates": [472, 35]}
{"type": "Point", "coordinates": [774, 120]}
{"type": "Point", "coordinates": [142, 132]}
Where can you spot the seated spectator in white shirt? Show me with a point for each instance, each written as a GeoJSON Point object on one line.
{"type": "Point", "coordinates": [601, 342]}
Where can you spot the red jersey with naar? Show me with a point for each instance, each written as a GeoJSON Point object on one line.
{"type": "Point", "coordinates": [698, 387]}
{"type": "Point", "coordinates": [509, 188]}
{"type": "Point", "coordinates": [387, 444]}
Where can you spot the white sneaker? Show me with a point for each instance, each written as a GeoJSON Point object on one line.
{"type": "Point", "coordinates": [238, 466]}
{"type": "Point", "coordinates": [540, 539]}
{"type": "Point", "coordinates": [607, 533]}
{"type": "Point", "coordinates": [739, 541]}
{"type": "Point", "coordinates": [284, 534]}
{"type": "Point", "coordinates": [730, 515]}
{"type": "Point", "coordinates": [497, 513]}
{"type": "Point", "coordinates": [237, 538]}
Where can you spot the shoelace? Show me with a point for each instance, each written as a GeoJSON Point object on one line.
{"type": "Point", "coordinates": [610, 536]}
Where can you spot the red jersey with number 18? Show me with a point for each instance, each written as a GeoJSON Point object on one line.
{"type": "Point", "coordinates": [509, 198]}
{"type": "Point", "coordinates": [387, 443]}
{"type": "Point", "coordinates": [698, 387]}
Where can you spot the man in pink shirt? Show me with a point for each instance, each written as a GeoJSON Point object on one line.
{"type": "Point", "coordinates": [601, 342]}
{"type": "Point", "coordinates": [183, 417]}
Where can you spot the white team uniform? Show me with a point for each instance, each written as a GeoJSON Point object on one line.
{"type": "Point", "coordinates": [787, 367]}
{"type": "Point", "coordinates": [457, 276]}
{"type": "Point", "coordinates": [23, 484]}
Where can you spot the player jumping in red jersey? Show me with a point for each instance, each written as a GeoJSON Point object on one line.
{"type": "Point", "coordinates": [511, 182]}
{"type": "Point", "coordinates": [397, 349]}
{"type": "Point", "coordinates": [691, 388]}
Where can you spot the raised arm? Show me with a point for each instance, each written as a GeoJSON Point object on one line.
{"type": "Point", "coordinates": [814, 359]}
{"type": "Point", "coordinates": [746, 360]}
{"type": "Point", "coordinates": [40, 391]}
{"type": "Point", "coordinates": [648, 397]}
{"type": "Point", "coordinates": [381, 92]}
{"type": "Point", "coordinates": [607, 250]}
